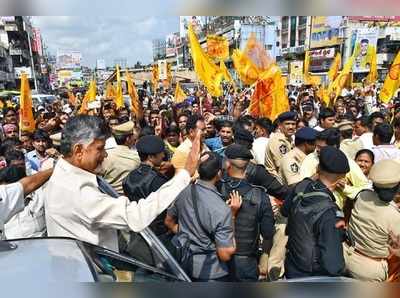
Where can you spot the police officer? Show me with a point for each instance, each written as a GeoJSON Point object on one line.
{"type": "Point", "coordinates": [373, 219]}
{"type": "Point", "coordinates": [140, 183]}
{"type": "Point", "coordinates": [254, 218]}
{"type": "Point", "coordinates": [289, 169]}
{"type": "Point", "coordinates": [280, 142]}
{"type": "Point", "coordinates": [121, 159]}
{"type": "Point", "coordinates": [314, 239]}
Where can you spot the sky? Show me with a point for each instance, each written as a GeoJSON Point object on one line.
{"type": "Point", "coordinates": [109, 38]}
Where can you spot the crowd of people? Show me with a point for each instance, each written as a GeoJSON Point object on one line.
{"type": "Point", "coordinates": [315, 192]}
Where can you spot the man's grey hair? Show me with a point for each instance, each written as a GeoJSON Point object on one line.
{"type": "Point", "coordinates": [82, 129]}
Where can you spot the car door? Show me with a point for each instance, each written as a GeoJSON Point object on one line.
{"type": "Point", "coordinates": [162, 257]}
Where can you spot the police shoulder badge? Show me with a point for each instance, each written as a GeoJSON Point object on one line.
{"type": "Point", "coordinates": [283, 149]}
{"type": "Point", "coordinates": [294, 167]}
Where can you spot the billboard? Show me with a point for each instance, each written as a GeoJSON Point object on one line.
{"type": "Point", "coordinates": [162, 70]}
{"type": "Point", "coordinates": [20, 70]}
{"type": "Point", "coordinates": [68, 59]}
{"type": "Point", "coordinates": [375, 18]}
{"type": "Point", "coordinates": [196, 21]}
{"type": "Point", "coordinates": [321, 59]}
{"type": "Point", "coordinates": [37, 41]}
{"type": "Point", "coordinates": [170, 45]}
{"type": "Point", "coordinates": [325, 31]}
{"type": "Point", "coordinates": [296, 73]}
{"type": "Point", "coordinates": [365, 48]}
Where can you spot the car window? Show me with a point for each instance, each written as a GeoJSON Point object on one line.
{"type": "Point", "coordinates": [111, 266]}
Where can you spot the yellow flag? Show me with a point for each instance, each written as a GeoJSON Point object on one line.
{"type": "Point", "coordinates": [246, 69]}
{"type": "Point", "coordinates": [27, 121]}
{"type": "Point", "coordinates": [269, 98]}
{"type": "Point", "coordinates": [110, 91]}
{"type": "Point", "coordinates": [155, 77]}
{"type": "Point", "coordinates": [90, 96]}
{"type": "Point", "coordinates": [373, 71]}
{"type": "Point", "coordinates": [180, 95]}
{"type": "Point", "coordinates": [217, 47]}
{"type": "Point", "coordinates": [206, 70]}
{"type": "Point", "coordinates": [135, 104]}
{"type": "Point", "coordinates": [334, 70]}
{"type": "Point", "coordinates": [309, 79]}
{"type": "Point", "coordinates": [224, 70]}
{"type": "Point", "coordinates": [119, 98]}
{"type": "Point", "coordinates": [392, 81]}
{"type": "Point", "coordinates": [338, 84]}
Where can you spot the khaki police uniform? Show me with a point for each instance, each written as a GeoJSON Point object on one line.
{"type": "Point", "coordinates": [371, 222]}
{"type": "Point", "coordinates": [289, 169]}
{"type": "Point", "coordinates": [121, 160]}
{"type": "Point", "coordinates": [278, 146]}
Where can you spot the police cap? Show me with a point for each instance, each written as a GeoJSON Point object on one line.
{"type": "Point", "coordinates": [292, 116]}
{"type": "Point", "coordinates": [306, 133]}
{"type": "Point", "coordinates": [385, 173]}
{"type": "Point", "coordinates": [237, 151]}
{"type": "Point", "coordinates": [123, 129]}
{"type": "Point", "coordinates": [150, 145]}
{"type": "Point", "coordinates": [345, 125]}
{"type": "Point", "coordinates": [332, 160]}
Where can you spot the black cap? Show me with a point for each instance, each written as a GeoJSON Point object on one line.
{"type": "Point", "coordinates": [150, 145]}
{"type": "Point", "coordinates": [287, 116]}
{"type": "Point", "coordinates": [334, 161]}
{"type": "Point", "coordinates": [243, 134]}
{"type": "Point", "coordinates": [306, 133]}
{"type": "Point", "coordinates": [236, 151]}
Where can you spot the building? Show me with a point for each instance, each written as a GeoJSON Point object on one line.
{"type": "Point", "coordinates": [18, 36]}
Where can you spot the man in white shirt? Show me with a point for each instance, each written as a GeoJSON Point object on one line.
{"type": "Point", "coordinates": [382, 137]}
{"type": "Point", "coordinates": [263, 127]}
{"type": "Point", "coordinates": [74, 205]}
{"type": "Point", "coordinates": [12, 195]}
{"type": "Point", "coordinates": [373, 120]}
{"type": "Point", "coordinates": [326, 119]}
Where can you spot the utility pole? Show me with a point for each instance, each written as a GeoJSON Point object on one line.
{"type": "Point", "coordinates": [31, 56]}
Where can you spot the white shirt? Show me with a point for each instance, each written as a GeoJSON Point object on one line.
{"type": "Point", "coordinates": [30, 222]}
{"type": "Point", "coordinates": [319, 128]}
{"type": "Point", "coordinates": [259, 148]}
{"type": "Point", "coordinates": [366, 139]}
{"type": "Point", "coordinates": [11, 202]}
{"type": "Point", "coordinates": [76, 208]}
{"type": "Point", "coordinates": [382, 152]}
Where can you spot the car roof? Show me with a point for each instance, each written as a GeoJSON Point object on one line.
{"type": "Point", "coordinates": [49, 259]}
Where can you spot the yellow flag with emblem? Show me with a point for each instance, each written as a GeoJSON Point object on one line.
{"type": "Point", "coordinates": [246, 69]}
{"type": "Point", "coordinates": [209, 73]}
{"type": "Point", "coordinates": [135, 104]}
{"type": "Point", "coordinates": [180, 95]}
{"type": "Point", "coordinates": [334, 69]}
{"type": "Point", "coordinates": [119, 98]}
{"type": "Point", "coordinates": [392, 81]}
{"type": "Point", "coordinates": [27, 121]}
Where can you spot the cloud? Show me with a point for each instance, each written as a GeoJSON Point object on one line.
{"type": "Point", "coordinates": [109, 38]}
